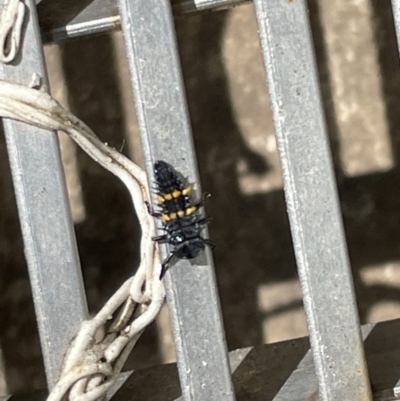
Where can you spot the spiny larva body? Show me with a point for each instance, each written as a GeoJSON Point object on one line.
{"type": "Point", "coordinates": [179, 214]}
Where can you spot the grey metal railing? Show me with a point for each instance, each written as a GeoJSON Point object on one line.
{"type": "Point", "coordinates": [337, 368]}
{"type": "Point", "coordinates": [49, 239]}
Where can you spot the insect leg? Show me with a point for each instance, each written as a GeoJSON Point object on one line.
{"type": "Point", "coordinates": [165, 265]}
{"type": "Point", "coordinates": [210, 243]}
{"type": "Point", "coordinates": [151, 211]}
{"type": "Point", "coordinates": [204, 221]}
{"type": "Point", "coordinates": [203, 200]}
{"type": "Point", "coordinates": [161, 239]}
{"type": "Point", "coordinates": [205, 196]}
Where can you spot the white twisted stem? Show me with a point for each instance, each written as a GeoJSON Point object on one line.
{"type": "Point", "coordinates": [11, 21]}
{"type": "Point", "coordinates": [91, 368]}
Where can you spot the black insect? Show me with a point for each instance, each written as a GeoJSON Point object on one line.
{"type": "Point", "coordinates": [178, 212]}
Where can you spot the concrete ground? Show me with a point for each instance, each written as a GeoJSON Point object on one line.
{"type": "Point", "coordinates": [228, 102]}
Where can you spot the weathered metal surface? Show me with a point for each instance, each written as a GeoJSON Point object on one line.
{"type": "Point", "coordinates": [62, 20]}
{"type": "Point", "coordinates": [312, 201]}
{"type": "Point", "coordinates": [275, 372]}
{"type": "Point", "coordinates": [282, 371]}
{"type": "Point", "coordinates": [396, 15]}
{"type": "Point", "coordinates": [165, 129]}
{"type": "Point", "coordinates": [49, 238]}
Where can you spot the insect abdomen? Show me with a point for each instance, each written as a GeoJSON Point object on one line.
{"type": "Point", "coordinates": [173, 195]}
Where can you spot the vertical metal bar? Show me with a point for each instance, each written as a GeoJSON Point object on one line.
{"type": "Point", "coordinates": [396, 15]}
{"type": "Point", "coordinates": [50, 246]}
{"type": "Point", "coordinates": [312, 200]}
{"type": "Point", "coordinates": [164, 124]}
{"type": "Point", "coordinates": [3, 376]}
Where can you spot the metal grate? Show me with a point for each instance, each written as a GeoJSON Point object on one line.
{"type": "Point", "coordinates": [337, 346]}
